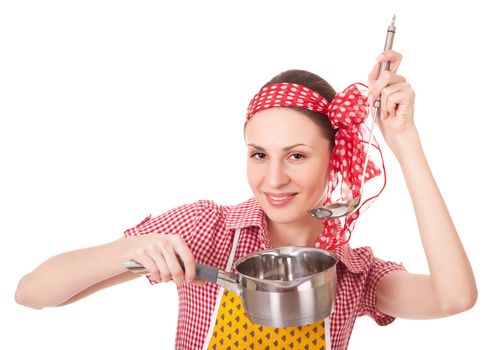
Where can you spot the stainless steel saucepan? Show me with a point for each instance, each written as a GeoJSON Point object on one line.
{"type": "Point", "coordinates": [280, 287]}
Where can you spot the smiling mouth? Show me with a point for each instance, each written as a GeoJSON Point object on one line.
{"type": "Point", "coordinates": [279, 199]}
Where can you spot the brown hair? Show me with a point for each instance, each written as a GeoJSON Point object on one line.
{"type": "Point", "coordinates": [316, 83]}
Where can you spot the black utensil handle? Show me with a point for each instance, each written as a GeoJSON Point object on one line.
{"type": "Point", "coordinates": [204, 272]}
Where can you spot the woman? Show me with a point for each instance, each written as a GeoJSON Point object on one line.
{"type": "Point", "coordinates": [291, 154]}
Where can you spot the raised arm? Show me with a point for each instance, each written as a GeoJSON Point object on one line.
{"type": "Point", "coordinates": [450, 286]}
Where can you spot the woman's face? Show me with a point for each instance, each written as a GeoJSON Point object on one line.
{"type": "Point", "coordinates": [287, 164]}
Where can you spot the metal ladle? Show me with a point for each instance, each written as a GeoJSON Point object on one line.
{"type": "Point", "coordinates": [339, 209]}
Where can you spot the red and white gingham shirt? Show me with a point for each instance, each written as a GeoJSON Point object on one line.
{"type": "Point", "coordinates": [208, 229]}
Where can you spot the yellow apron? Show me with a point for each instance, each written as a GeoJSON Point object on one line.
{"type": "Point", "coordinates": [231, 329]}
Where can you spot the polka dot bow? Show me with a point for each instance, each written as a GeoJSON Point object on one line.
{"type": "Point", "coordinates": [347, 113]}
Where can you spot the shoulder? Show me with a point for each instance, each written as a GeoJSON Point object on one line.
{"type": "Point", "coordinates": [185, 217]}
{"type": "Point", "coordinates": [362, 259]}
{"type": "Point", "coordinates": [224, 212]}
{"type": "Point", "coordinates": [207, 205]}
{"type": "Point", "coordinates": [356, 260]}
{"type": "Point", "coordinates": [243, 213]}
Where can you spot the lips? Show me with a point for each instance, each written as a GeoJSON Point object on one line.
{"type": "Point", "coordinates": [279, 199]}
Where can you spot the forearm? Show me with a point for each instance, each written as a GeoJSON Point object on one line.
{"type": "Point", "coordinates": [450, 270]}
{"type": "Point", "coordinates": [67, 274]}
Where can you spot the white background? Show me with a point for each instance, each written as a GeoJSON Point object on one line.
{"type": "Point", "coordinates": [111, 110]}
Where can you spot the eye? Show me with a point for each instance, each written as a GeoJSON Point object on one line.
{"type": "Point", "coordinates": [297, 156]}
{"type": "Point", "coordinates": [258, 155]}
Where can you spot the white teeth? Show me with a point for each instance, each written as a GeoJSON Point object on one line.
{"type": "Point", "coordinates": [279, 198]}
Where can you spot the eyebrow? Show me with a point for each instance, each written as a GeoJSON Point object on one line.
{"type": "Point", "coordinates": [284, 149]}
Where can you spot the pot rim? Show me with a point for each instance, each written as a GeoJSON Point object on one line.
{"type": "Point", "coordinates": [279, 282]}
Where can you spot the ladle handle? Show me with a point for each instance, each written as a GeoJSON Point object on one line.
{"type": "Point", "coordinates": [375, 109]}
{"type": "Point", "coordinates": [389, 42]}
{"type": "Point", "coordinates": [203, 272]}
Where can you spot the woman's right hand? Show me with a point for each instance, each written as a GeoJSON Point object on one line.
{"type": "Point", "coordinates": [159, 254]}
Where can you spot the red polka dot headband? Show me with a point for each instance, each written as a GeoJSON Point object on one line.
{"type": "Point", "coordinates": [347, 113]}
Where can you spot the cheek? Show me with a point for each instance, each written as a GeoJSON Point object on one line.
{"type": "Point", "coordinates": [319, 181]}
{"type": "Point", "coordinates": [252, 174]}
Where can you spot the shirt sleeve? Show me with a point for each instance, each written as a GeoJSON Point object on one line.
{"type": "Point", "coordinates": [378, 269]}
{"type": "Point", "coordinates": [181, 220]}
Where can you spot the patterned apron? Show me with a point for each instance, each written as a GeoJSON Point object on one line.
{"type": "Point", "coordinates": [231, 329]}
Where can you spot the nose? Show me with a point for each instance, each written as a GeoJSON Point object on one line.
{"type": "Point", "coordinates": [277, 175]}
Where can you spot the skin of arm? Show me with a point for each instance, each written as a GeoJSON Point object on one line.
{"type": "Point", "coordinates": [70, 276]}
{"type": "Point", "coordinates": [450, 287]}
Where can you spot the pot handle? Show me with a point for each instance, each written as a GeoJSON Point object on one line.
{"type": "Point", "coordinates": [208, 273]}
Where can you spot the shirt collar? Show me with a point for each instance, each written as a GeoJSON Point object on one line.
{"type": "Point", "coordinates": [250, 213]}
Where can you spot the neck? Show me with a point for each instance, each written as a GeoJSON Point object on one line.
{"type": "Point", "coordinates": [300, 233]}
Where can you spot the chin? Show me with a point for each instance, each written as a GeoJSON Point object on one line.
{"type": "Point", "coordinates": [282, 215]}
{"type": "Point", "coordinates": [280, 219]}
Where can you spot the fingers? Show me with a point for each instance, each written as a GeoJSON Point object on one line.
{"type": "Point", "coordinates": [173, 265]}
{"type": "Point", "coordinates": [387, 84]}
{"type": "Point", "coordinates": [160, 256]}
{"type": "Point", "coordinates": [171, 251]}
{"type": "Point", "coordinates": [396, 95]}
{"type": "Point", "coordinates": [401, 101]}
{"type": "Point", "coordinates": [198, 282]}
{"type": "Point", "coordinates": [188, 260]}
{"type": "Point", "coordinates": [394, 58]}
{"type": "Point", "coordinates": [390, 97]}
{"type": "Point", "coordinates": [143, 258]}
{"type": "Point", "coordinates": [386, 79]}
{"type": "Point", "coordinates": [163, 271]}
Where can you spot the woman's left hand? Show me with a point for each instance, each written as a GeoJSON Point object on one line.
{"type": "Point", "coordinates": [396, 96]}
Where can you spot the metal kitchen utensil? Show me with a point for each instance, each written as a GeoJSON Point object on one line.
{"type": "Point", "coordinates": [339, 209]}
{"type": "Point", "coordinates": [280, 287]}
